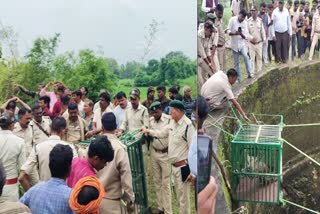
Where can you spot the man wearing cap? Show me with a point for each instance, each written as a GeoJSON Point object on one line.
{"type": "Point", "coordinates": [282, 31]}
{"type": "Point", "coordinates": [136, 117]}
{"type": "Point", "coordinates": [256, 30]}
{"type": "Point", "coordinates": [161, 169]}
{"type": "Point", "coordinates": [150, 98]}
{"type": "Point", "coordinates": [315, 32]}
{"type": "Point", "coordinates": [12, 155]}
{"type": "Point", "coordinates": [116, 175]}
{"type": "Point", "coordinates": [205, 65]}
{"type": "Point", "coordinates": [180, 131]}
{"type": "Point", "coordinates": [238, 31]}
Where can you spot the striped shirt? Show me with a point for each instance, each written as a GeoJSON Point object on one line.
{"type": "Point", "coordinates": [80, 168]}
{"type": "Point", "coordinates": [49, 197]}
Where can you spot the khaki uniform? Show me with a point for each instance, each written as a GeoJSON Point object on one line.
{"type": "Point", "coordinates": [27, 135]}
{"type": "Point", "coordinates": [161, 168]}
{"type": "Point", "coordinates": [315, 33]}
{"type": "Point", "coordinates": [136, 120]}
{"type": "Point", "coordinates": [39, 135]}
{"type": "Point", "coordinates": [256, 30]}
{"type": "Point", "coordinates": [116, 177]}
{"type": "Point", "coordinates": [221, 49]}
{"type": "Point", "coordinates": [76, 130]}
{"type": "Point", "coordinates": [8, 207]}
{"type": "Point", "coordinates": [12, 155]}
{"type": "Point", "coordinates": [204, 51]}
{"type": "Point", "coordinates": [39, 157]}
{"type": "Point", "coordinates": [180, 137]}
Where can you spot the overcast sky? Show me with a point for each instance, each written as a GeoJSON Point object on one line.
{"type": "Point", "coordinates": [116, 27]}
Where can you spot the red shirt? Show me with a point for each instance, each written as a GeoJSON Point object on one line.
{"type": "Point", "coordinates": [80, 168]}
{"type": "Point", "coordinates": [56, 109]}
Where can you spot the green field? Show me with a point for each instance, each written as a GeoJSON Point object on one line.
{"type": "Point", "coordinates": [127, 85]}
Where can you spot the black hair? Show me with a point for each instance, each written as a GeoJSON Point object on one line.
{"type": "Point", "coordinates": [173, 90]}
{"type": "Point", "coordinates": [78, 93]}
{"type": "Point", "coordinates": [178, 97]}
{"type": "Point", "coordinates": [87, 194]}
{"type": "Point", "coordinates": [109, 121]}
{"type": "Point", "coordinates": [203, 108]}
{"type": "Point", "coordinates": [35, 107]}
{"type": "Point", "coordinates": [101, 147]}
{"type": "Point", "coordinates": [61, 89]}
{"type": "Point", "coordinates": [232, 72]}
{"type": "Point", "coordinates": [243, 12]}
{"type": "Point", "coordinates": [46, 100]}
{"type": "Point", "coordinates": [2, 177]}
{"type": "Point", "coordinates": [263, 4]}
{"type": "Point", "coordinates": [73, 106]}
{"type": "Point", "coordinates": [6, 119]}
{"type": "Point", "coordinates": [219, 7]}
{"type": "Point", "coordinates": [85, 89]}
{"type": "Point", "coordinates": [23, 111]}
{"type": "Point", "coordinates": [208, 25]}
{"type": "Point", "coordinates": [60, 160]}
{"type": "Point", "coordinates": [58, 124]}
{"type": "Point", "coordinates": [65, 100]}
{"type": "Point", "coordinates": [161, 88]}
{"type": "Point", "coordinates": [290, 2]}
{"type": "Point", "coordinates": [11, 105]}
{"type": "Point", "coordinates": [121, 95]}
{"type": "Point", "coordinates": [315, 1]}
{"type": "Point", "coordinates": [106, 96]}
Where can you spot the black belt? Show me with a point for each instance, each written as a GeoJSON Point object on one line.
{"type": "Point", "coordinates": [165, 150]}
{"type": "Point", "coordinates": [219, 46]}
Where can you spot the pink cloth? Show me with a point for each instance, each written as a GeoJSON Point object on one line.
{"type": "Point", "coordinates": [52, 95]}
{"type": "Point", "coordinates": [80, 168]}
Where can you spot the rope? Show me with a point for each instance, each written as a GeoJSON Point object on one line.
{"type": "Point", "coordinates": [298, 125]}
{"type": "Point", "coordinates": [297, 205]}
{"type": "Point", "coordinates": [307, 156]}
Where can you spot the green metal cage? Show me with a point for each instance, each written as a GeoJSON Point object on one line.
{"type": "Point", "coordinates": [257, 160]}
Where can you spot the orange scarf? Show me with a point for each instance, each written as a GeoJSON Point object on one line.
{"type": "Point", "coordinates": [93, 206]}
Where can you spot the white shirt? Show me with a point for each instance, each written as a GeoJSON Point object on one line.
{"type": "Point", "coordinates": [237, 42]}
{"type": "Point", "coordinates": [119, 113]}
{"type": "Point", "coordinates": [97, 116]}
{"type": "Point", "coordinates": [204, 7]}
{"type": "Point", "coordinates": [282, 21]}
{"type": "Point", "coordinates": [270, 30]}
{"type": "Point", "coordinates": [80, 108]}
{"type": "Point", "coordinates": [216, 88]}
{"type": "Point", "coordinates": [192, 156]}
{"type": "Point", "coordinates": [235, 7]}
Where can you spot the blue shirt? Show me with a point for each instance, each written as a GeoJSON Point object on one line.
{"type": "Point", "coordinates": [49, 197]}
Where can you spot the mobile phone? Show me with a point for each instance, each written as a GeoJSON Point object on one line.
{"type": "Point", "coordinates": [204, 161]}
{"type": "Point", "coordinates": [185, 172]}
{"type": "Point", "coordinates": [239, 29]}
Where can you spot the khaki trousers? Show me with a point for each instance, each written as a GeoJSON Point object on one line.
{"type": "Point", "coordinates": [222, 58]}
{"type": "Point", "coordinates": [111, 207]}
{"type": "Point", "coordinates": [203, 72]}
{"type": "Point", "coordinates": [256, 53]}
{"type": "Point", "coordinates": [215, 61]}
{"type": "Point", "coordinates": [182, 190]}
{"type": "Point", "coordinates": [315, 39]}
{"type": "Point", "coordinates": [161, 172]}
{"type": "Point", "coordinates": [11, 192]}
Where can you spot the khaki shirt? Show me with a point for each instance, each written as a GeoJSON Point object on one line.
{"type": "Point", "coordinates": [41, 152]}
{"type": "Point", "coordinates": [180, 137]}
{"type": "Point", "coordinates": [160, 143]}
{"type": "Point", "coordinates": [75, 132]}
{"type": "Point", "coordinates": [204, 44]}
{"type": "Point", "coordinates": [219, 25]}
{"type": "Point", "coordinates": [12, 153]}
{"type": "Point", "coordinates": [8, 207]}
{"type": "Point", "coordinates": [256, 29]}
{"type": "Point", "coordinates": [116, 175]}
{"type": "Point", "coordinates": [26, 134]}
{"type": "Point", "coordinates": [135, 119]}
{"type": "Point", "coordinates": [38, 135]}
{"type": "Point", "coordinates": [315, 24]}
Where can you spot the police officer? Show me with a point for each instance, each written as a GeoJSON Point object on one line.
{"type": "Point", "coordinates": [40, 125]}
{"type": "Point", "coordinates": [161, 168]}
{"type": "Point", "coordinates": [180, 131]}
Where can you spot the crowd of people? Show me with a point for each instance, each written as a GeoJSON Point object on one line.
{"type": "Point", "coordinates": [260, 35]}
{"type": "Point", "coordinates": [41, 150]}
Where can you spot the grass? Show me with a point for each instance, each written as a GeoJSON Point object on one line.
{"type": "Point", "coordinates": [126, 85]}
